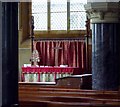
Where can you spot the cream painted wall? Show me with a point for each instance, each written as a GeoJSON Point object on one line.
{"type": "Point", "coordinates": [24, 58]}
{"type": "Point", "coordinates": [24, 51]}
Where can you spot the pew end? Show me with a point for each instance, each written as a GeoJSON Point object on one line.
{"type": "Point", "coordinates": [83, 81]}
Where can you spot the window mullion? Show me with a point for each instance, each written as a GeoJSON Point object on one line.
{"type": "Point", "coordinates": [48, 15]}
{"type": "Point", "coordinates": [68, 15]}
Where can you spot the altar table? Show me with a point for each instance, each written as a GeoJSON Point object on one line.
{"type": "Point", "coordinates": [47, 74]}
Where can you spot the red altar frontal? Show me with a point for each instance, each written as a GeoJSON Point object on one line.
{"type": "Point", "coordinates": [47, 74]}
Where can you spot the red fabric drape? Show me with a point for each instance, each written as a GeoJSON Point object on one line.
{"type": "Point", "coordinates": [62, 52]}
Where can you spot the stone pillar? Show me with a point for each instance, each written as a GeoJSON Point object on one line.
{"type": "Point", "coordinates": [8, 54]}
{"type": "Point", "coordinates": [105, 25]}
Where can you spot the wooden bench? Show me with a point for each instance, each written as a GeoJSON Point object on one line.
{"type": "Point", "coordinates": [83, 81]}
{"type": "Point", "coordinates": [67, 99]}
{"type": "Point", "coordinates": [36, 89]}
{"type": "Point", "coordinates": [30, 96]}
{"type": "Point", "coordinates": [63, 104]}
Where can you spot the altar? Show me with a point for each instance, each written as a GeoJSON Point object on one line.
{"type": "Point", "coordinates": [47, 73]}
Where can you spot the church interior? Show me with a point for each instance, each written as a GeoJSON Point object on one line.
{"type": "Point", "coordinates": [66, 53]}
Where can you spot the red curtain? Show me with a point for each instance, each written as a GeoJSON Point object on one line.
{"type": "Point", "coordinates": [61, 52]}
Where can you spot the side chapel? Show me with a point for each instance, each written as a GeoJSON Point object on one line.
{"type": "Point", "coordinates": [59, 46]}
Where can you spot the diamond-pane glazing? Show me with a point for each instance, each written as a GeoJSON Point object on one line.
{"type": "Point", "coordinates": [77, 15]}
{"type": "Point", "coordinates": [58, 21]}
{"type": "Point", "coordinates": [77, 20]}
{"type": "Point", "coordinates": [39, 11]}
{"type": "Point", "coordinates": [58, 15]}
{"type": "Point", "coordinates": [58, 5]}
{"type": "Point", "coordinates": [40, 21]}
{"type": "Point", "coordinates": [38, 7]}
{"type": "Point", "coordinates": [76, 6]}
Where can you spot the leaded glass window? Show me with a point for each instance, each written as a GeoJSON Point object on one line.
{"type": "Point", "coordinates": [39, 11]}
{"type": "Point", "coordinates": [59, 14]}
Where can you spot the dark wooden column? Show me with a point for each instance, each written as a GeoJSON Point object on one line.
{"type": "Point", "coordinates": [9, 54]}
{"type": "Point", "coordinates": [105, 22]}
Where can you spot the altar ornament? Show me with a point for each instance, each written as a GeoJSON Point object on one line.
{"type": "Point", "coordinates": [35, 58]}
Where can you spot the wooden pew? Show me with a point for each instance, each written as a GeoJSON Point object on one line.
{"type": "Point", "coordinates": [70, 95]}
{"type": "Point", "coordinates": [83, 81]}
{"type": "Point", "coordinates": [36, 89]}
{"type": "Point", "coordinates": [43, 93]}
{"type": "Point", "coordinates": [56, 97]}
{"type": "Point", "coordinates": [68, 99]}
{"type": "Point", "coordinates": [63, 104]}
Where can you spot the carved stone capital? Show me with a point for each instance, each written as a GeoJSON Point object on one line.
{"type": "Point", "coordinates": [103, 12]}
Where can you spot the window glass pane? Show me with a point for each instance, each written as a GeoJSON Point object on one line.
{"type": "Point", "coordinates": [39, 11]}
{"type": "Point", "coordinates": [58, 21]}
{"type": "Point", "coordinates": [58, 14]}
{"type": "Point", "coordinates": [77, 15]}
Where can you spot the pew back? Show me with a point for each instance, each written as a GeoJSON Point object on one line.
{"type": "Point", "coordinates": [35, 95]}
